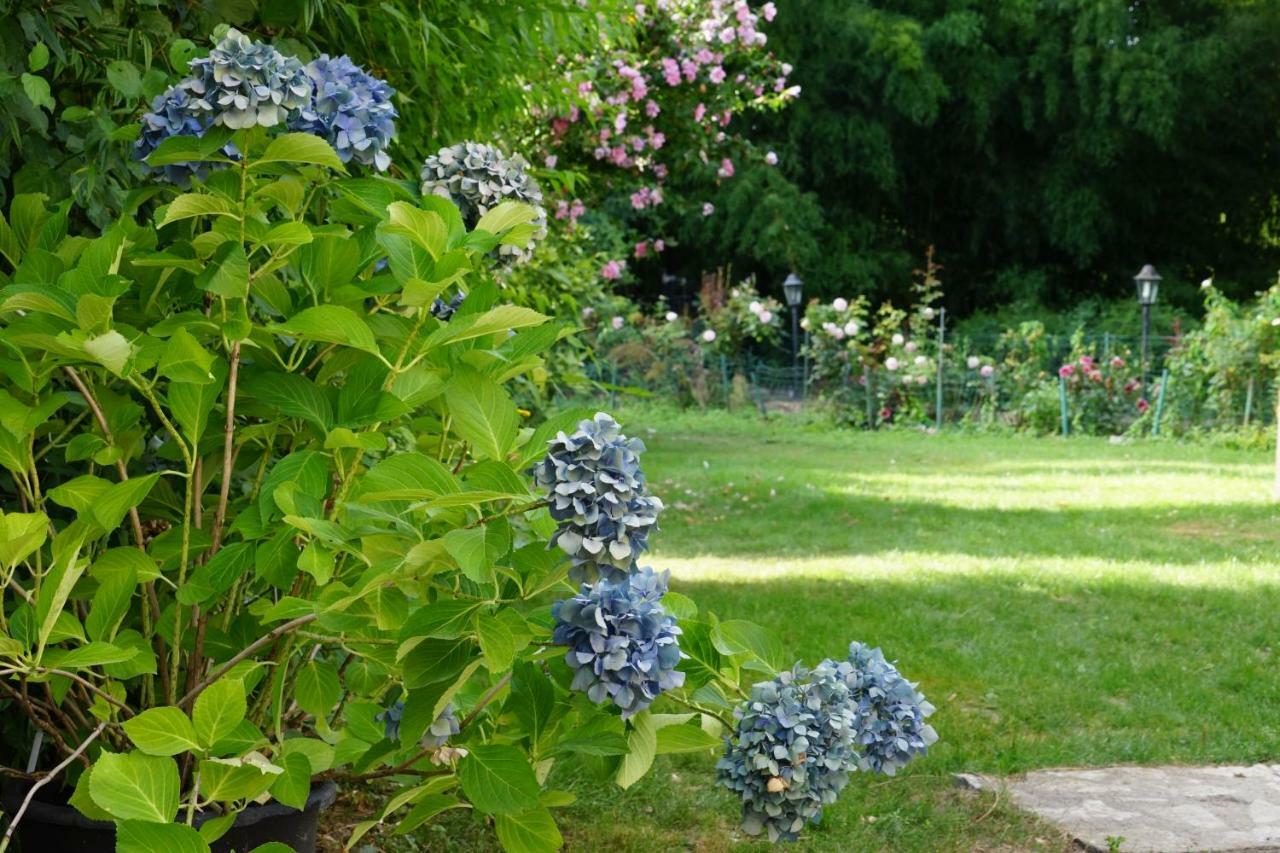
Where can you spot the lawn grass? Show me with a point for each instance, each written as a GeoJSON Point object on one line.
{"type": "Point", "coordinates": [1063, 603]}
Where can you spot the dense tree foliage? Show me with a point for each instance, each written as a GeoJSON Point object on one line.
{"type": "Point", "coordinates": [1046, 149]}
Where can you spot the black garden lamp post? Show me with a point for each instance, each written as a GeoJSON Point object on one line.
{"type": "Point", "coordinates": [1148, 284]}
{"type": "Point", "coordinates": [793, 291]}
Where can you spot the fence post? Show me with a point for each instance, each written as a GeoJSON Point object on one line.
{"type": "Point", "coordinates": [866, 386]}
{"type": "Point", "coordinates": [804, 375]}
{"type": "Point", "coordinates": [942, 334]}
{"type": "Point", "coordinates": [1062, 399]}
{"type": "Point", "coordinates": [1164, 384]}
{"type": "Point", "coordinates": [1248, 401]}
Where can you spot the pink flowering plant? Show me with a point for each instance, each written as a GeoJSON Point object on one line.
{"type": "Point", "coordinates": [663, 110]}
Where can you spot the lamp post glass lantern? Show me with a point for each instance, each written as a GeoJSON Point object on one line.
{"type": "Point", "coordinates": [793, 291]}
{"type": "Point", "coordinates": [1147, 282]}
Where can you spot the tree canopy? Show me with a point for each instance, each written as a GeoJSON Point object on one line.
{"type": "Point", "coordinates": [1047, 149]}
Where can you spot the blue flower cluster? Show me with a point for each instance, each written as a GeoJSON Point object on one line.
{"type": "Point", "coordinates": [889, 713]}
{"type": "Point", "coordinates": [476, 177]}
{"type": "Point", "coordinates": [438, 733]}
{"type": "Point", "coordinates": [351, 109]}
{"type": "Point", "coordinates": [599, 498]}
{"type": "Point", "coordinates": [244, 83]}
{"type": "Point", "coordinates": [623, 645]}
{"type": "Point", "coordinates": [800, 735]}
{"type": "Point", "coordinates": [792, 749]}
{"type": "Point", "coordinates": [174, 113]}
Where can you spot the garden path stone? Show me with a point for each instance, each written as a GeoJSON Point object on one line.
{"type": "Point", "coordinates": [1154, 809]}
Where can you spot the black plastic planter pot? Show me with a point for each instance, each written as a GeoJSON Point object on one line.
{"type": "Point", "coordinates": [59, 828]}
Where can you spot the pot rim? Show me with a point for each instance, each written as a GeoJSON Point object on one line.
{"type": "Point", "coordinates": [321, 797]}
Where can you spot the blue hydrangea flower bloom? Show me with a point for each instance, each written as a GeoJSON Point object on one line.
{"type": "Point", "coordinates": [476, 177]}
{"type": "Point", "coordinates": [176, 112]}
{"type": "Point", "coordinates": [442, 310]}
{"type": "Point", "coordinates": [597, 494]}
{"type": "Point", "coordinates": [792, 749]}
{"type": "Point", "coordinates": [437, 734]}
{"type": "Point", "coordinates": [243, 83]}
{"type": "Point", "coordinates": [349, 108]}
{"type": "Point", "coordinates": [623, 646]}
{"type": "Point", "coordinates": [889, 713]}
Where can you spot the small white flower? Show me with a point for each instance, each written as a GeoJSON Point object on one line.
{"type": "Point", "coordinates": [921, 379]}
{"type": "Point", "coordinates": [851, 328]}
{"type": "Point", "coordinates": [921, 361]}
{"type": "Point", "coordinates": [928, 313]}
{"type": "Point", "coordinates": [906, 379]}
{"type": "Point", "coordinates": [771, 158]}
{"type": "Point", "coordinates": [973, 361]}
{"type": "Point", "coordinates": [766, 317]}
{"type": "Point", "coordinates": [898, 339]}
{"type": "Point", "coordinates": [672, 316]}
{"type": "Point", "coordinates": [891, 363]}
{"type": "Point", "coordinates": [804, 324]}
{"type": "Point", "coordinates": [911, 346]}
{"type": "Point", "coordinates": [617, 322]}
{"type": "Point", "coordinates": [709, 335]}
{"type": "Point", "coordinates": [1207, 283]}
{"type": "Point", "coordinates": [840, 304]}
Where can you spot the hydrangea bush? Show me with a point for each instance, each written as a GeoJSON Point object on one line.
{"type": "Point", "coordinates": [268, 521]}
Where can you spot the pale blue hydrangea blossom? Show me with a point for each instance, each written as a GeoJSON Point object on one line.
{"type": "Point", "coordinates": [437, 734]}
{"type": "Point", "coordinates": [792, 749]}
{"type": "Point", "coordinates": [623, 645]}
{"type": "Point", "coordinates": [599, 497]}
{"type": "Point", "coordinates": [477, 177]}
{"type": "Point", "coordinates": [246, 83]}
{"type": "Point", "coordinates": [175, 112]}
{"type": "Point", "coordinates": [889, 713]}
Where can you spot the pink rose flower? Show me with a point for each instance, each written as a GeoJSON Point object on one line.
{"type": "Point", "coordinates": [1066, 370]}
{"type": "Point", "coordinates": [642, 248]}
{"type": "Point", "coordinates": [659, 245]}
{"type": "Point", "coordinates": [611, 271]}
{"type": "Point", "coordinates": [717, 75]}
{"type": "Point", "coordinates": [987, 371]}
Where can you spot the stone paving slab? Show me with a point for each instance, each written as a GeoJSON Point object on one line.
{"type": "Point", "coordinates": [1154, 809]}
